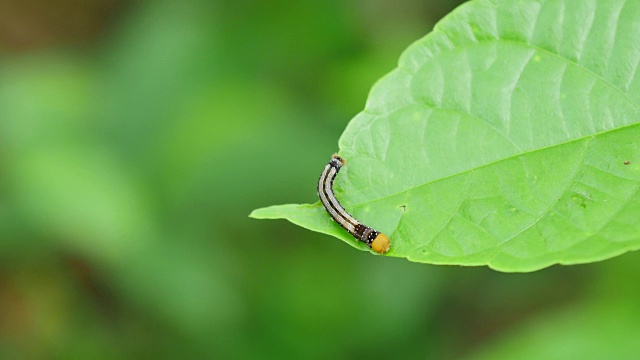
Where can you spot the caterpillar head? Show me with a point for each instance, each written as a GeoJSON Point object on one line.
{"type": "Point", "coordinates": [381, 243]}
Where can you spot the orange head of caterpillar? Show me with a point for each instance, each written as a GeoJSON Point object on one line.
{"type": "Point", "coordinates": [381, 243]}
{"type": "Point", "coordinates": [342, 161]}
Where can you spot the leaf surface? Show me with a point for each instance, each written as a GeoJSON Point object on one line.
{"type": "Point", "coordinates": [507, 137]}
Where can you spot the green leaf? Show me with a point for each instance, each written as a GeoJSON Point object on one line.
{"type": "Point", "coordinates": [507, 137]}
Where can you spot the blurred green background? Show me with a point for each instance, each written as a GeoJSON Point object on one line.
{"type": "Point", "coordinates": [135, 139]}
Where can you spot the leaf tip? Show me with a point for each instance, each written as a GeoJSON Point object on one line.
{"type": "Point", "coordinates": [258, 213]}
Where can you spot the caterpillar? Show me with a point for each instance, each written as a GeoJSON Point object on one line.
{"type": "Point", "coordinates": [376, 240]}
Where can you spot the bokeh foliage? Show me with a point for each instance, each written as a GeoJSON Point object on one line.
{"type": "Point", "coordinates": [129, 163]}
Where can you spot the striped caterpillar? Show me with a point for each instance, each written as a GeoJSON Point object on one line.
{"type": "Point", "coordinates": [378, 241]}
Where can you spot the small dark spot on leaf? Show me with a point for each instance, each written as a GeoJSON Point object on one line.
{"type": "Point", "coordinates": [627, 162]}
{"type": "Point", "coordinates": [582, 199]}
{"type": "Point", "coordinates": [404, 207]}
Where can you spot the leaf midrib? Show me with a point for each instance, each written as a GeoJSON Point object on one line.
{"type": "Point", "coordinates": [536, 48]}
{"type": "Point", "coordinates": [497, 161]}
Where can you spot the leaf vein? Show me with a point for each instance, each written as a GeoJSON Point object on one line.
{"type": "Point", "coordinates": [561, 193]}
{"type": "Point", "coordinates": [498, 161]}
